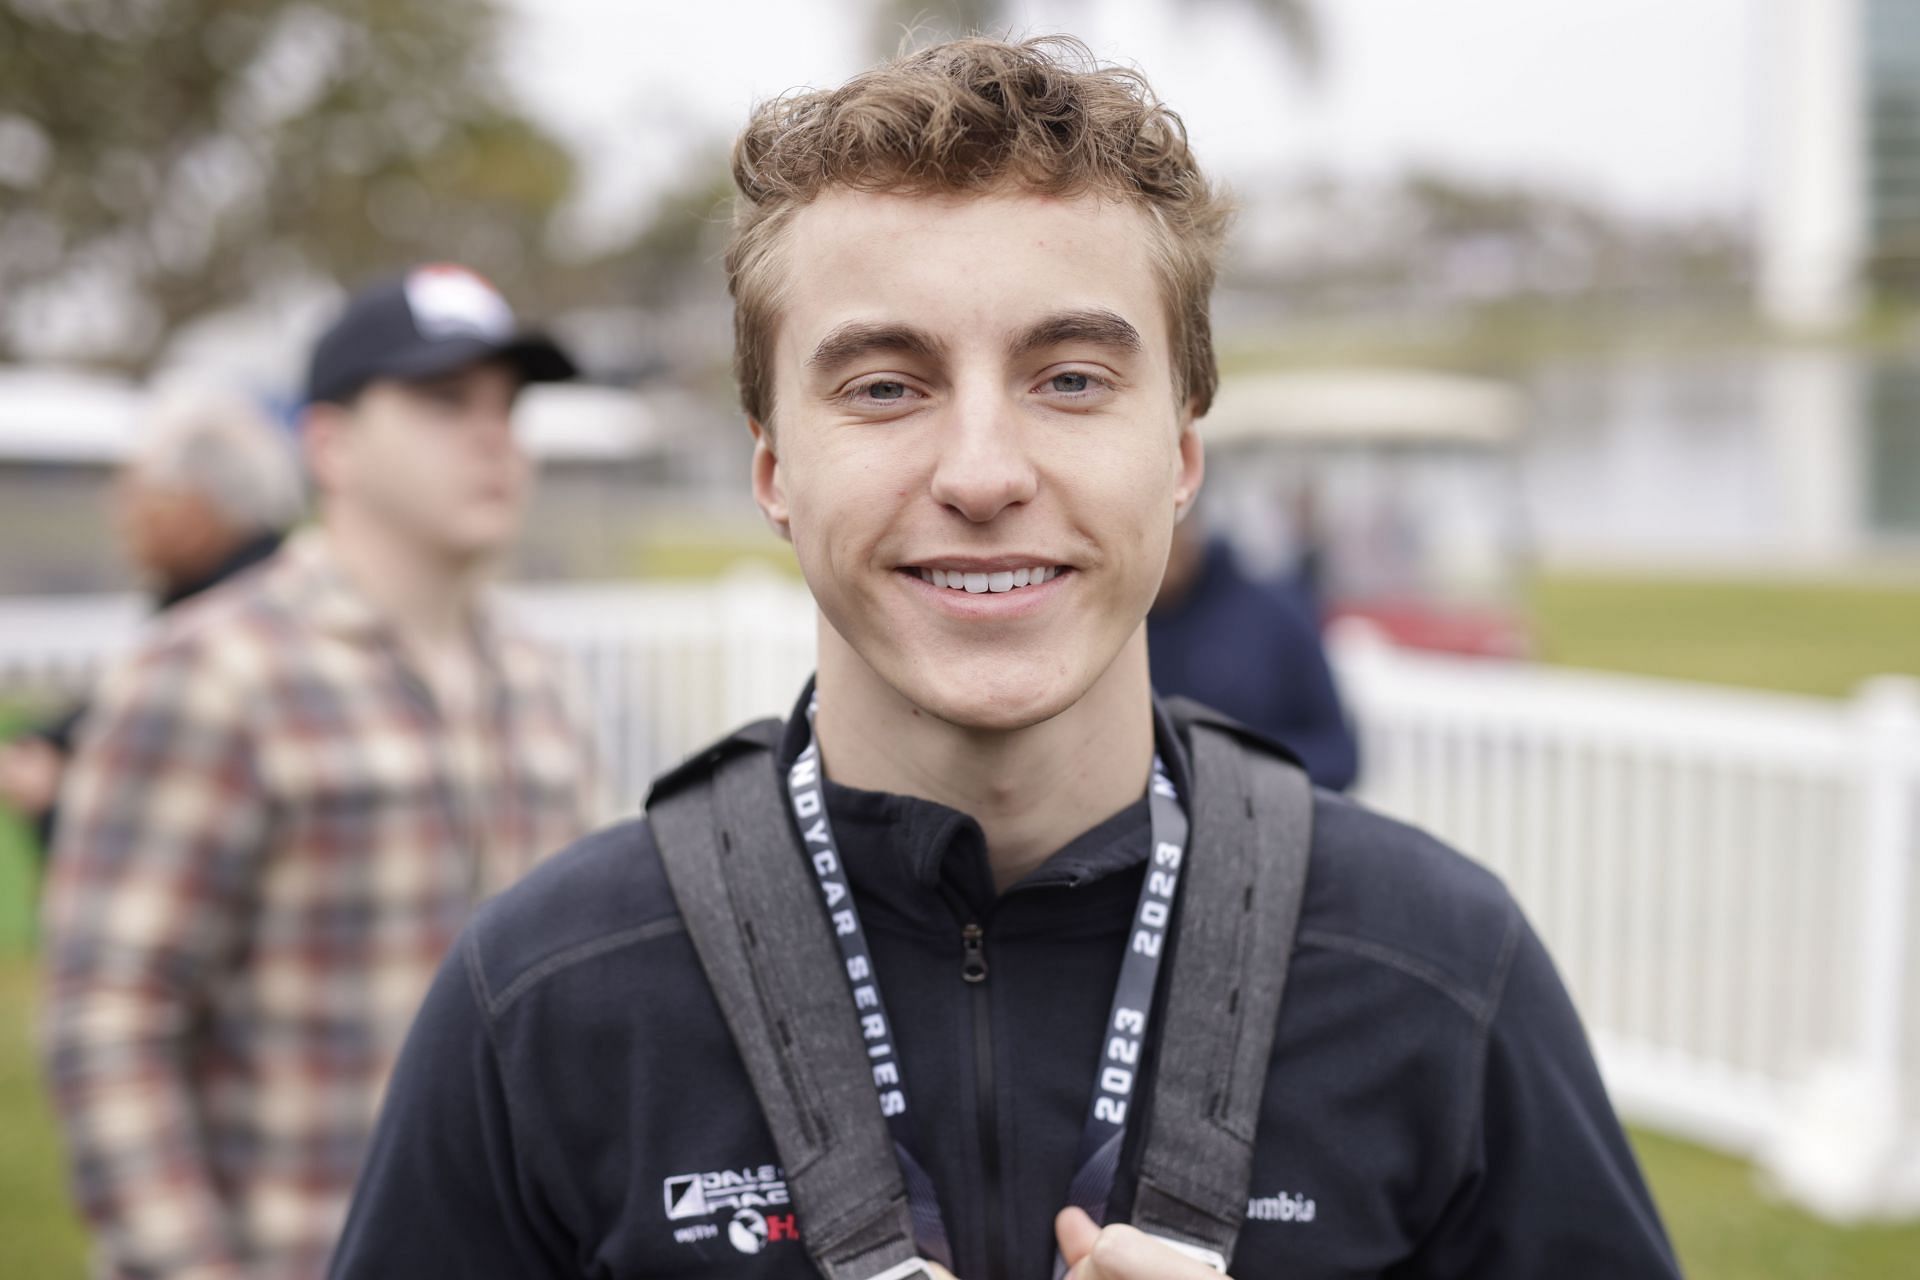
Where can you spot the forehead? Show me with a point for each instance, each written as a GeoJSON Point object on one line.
{"type": "Point", "coordinates": [488, 376]}
{"type": "Point", "coordinates": [966, 265]}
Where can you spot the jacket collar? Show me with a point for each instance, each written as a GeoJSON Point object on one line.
{"type": "Point", "coordinates": [255, 549]}
{"type": "Point", "coordinates": [904, 848]}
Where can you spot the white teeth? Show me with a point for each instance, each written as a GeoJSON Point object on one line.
{"type": "Point", "coordinates": [982, 583]}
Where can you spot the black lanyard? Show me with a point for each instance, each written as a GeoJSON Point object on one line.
{"type": "Point", "coordinates": [1126, 1026]}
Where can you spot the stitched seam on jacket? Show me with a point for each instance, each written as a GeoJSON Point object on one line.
{"type": "Point", "coordinates": [1476, 1006]}
{"type": "Point", "coordinates": [576, 954]}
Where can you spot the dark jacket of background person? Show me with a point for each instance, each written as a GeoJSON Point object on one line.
{"type": "Point", "coordinates": [61, 733]}
{"type": "Point", "coordinates": [273, 832]}
{"type": "Point", "coordinates": [1252, 650]}
{"type": "Point", "coordinates": [571, 1103]}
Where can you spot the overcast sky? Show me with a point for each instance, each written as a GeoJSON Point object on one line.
{"type": "Point", "coordinates": [1647, 104]}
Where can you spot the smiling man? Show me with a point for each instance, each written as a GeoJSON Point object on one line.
{"type": "Point", "coordinates": [971, 295]}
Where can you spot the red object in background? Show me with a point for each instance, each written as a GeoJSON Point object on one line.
{"type": "Point", "coordinates": [1416, 624]}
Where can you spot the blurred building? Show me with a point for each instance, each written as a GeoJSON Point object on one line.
{"type": "Point", "coordinates": [1840, 158]}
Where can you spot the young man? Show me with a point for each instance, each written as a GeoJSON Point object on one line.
{"type": "Point", "coordinates": [972, 343]}
{"type": "Point", "coordinates": [287, 802]}
{"type": "Point", "coordinates": [211, 491]}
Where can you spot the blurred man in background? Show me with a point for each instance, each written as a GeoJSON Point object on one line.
{"type": "Point", "coordinates": [1251, 649]}
{"type": "Point", "coordinates": [287, 802]}
{"type": "Point", "coordinates": [211, 490]}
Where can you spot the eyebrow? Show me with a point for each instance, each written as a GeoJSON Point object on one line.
{"type": "Point", "coordinates": [859, 338]}
{"type": "Point", "coordinates": [1096, 327]}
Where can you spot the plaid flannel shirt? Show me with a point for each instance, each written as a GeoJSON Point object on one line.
{"type": "Point", "coordinates": [271, 837]}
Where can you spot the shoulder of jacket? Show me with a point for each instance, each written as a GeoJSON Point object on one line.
{"type": "Point", "coordinates": [761, 735]}
{"type": "Point", "coordinates": [215, 641]}
{"type": "Point", "coordinates": [604, 893]}
{"type": "Point", "coordinates": [1384, 892]}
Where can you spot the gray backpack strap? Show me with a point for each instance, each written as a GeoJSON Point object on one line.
{"type": "Point", "coordinates": [749, 903]}
{"type": "Point", "coordinates": [1240, 896]}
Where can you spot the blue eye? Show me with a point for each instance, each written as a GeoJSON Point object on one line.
{"type": "Point", "coordinates": [1071, 383]}
{"type": "Point", "coordinates": [885, 390]}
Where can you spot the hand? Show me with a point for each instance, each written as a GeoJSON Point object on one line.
{"type": "Point", "coordinates": [30, 775]}
{"type": "Point", "coordinates": [1120, 1252]}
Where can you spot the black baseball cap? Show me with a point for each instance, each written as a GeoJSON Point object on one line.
{"type": "Point", "coordinates": [430, 320]}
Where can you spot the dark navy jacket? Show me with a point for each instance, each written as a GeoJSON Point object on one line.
{"type": "Point", "coordinates": [570, 1104]}
{"type": "Point", "coordinates": [1252, 649]}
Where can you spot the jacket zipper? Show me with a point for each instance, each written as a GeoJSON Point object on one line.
{"type": "Point", "coordinates": [973, 971]}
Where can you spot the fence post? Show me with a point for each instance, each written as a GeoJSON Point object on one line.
{"type": "Point", "coordinates": [1889, 713]}
{"type": "Point", "coordinates": [1843, 1145]}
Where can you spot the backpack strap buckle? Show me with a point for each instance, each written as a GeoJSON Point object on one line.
{"type": "Point", "coordinates": [911, 1269]}
{"type": "Point", "coordinates": [1199, 1253]}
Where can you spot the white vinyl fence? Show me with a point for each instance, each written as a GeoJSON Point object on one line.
{"type": "Point", "coordinates": [1725, 878]}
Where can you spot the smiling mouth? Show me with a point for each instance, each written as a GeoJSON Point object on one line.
{"type": "Point", "coordinates": [996, 583]}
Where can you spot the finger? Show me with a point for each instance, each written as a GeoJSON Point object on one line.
{"type": "Point", "coordinates": [1121, 1252]}
{"type": "Point", "coordinates": [1076, 1232]}
{"type": "Point", "coordinates": [938, 1272]}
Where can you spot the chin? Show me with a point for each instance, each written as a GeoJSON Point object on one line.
{"type": "Point", "coordinates": [480, 539]}
{"type": "Point", "coordinates": [468, 551]}
{"type": "Point", "coordinates": [993, 696]}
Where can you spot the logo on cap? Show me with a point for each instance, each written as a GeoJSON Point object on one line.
{"type": "Point", "coordinates": [448, 301]}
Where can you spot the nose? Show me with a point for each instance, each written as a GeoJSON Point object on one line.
{"type": "Point", "coordinates": [984, 465]}
{"type": "Point", "coordinates": [494, 428]}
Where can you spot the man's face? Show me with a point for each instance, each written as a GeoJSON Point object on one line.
{"type": "Point", "coordinates": [433, 461]}
{"type": "Point", "coordinates": [971, 389]}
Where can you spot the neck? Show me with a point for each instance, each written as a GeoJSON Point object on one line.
{"type": "Point", "coordinates": [1031, 789]}
{"type": "Point", "coordinates": [425, 595]}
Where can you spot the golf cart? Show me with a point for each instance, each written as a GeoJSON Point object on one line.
{"type": "Point", "coordinates": [1392, 496]}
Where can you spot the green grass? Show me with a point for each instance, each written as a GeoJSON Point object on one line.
{"type": "Point", "coordinates": [710, 554]}
{"type": "Point", "coordinates": [19, 860]}
{"type": "Point", "coordinates": [1817, 638]}
{"type": "Point", "coordinates": [1724, 1229]}
{"type": "Point", "coordinates": [39, 1234]}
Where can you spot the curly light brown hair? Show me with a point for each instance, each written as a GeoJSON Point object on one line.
{"type": "Point", "coordinates": [976, 115]}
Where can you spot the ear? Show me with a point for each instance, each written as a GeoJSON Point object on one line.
{"type": "Point", "coordinates": [322, 435]}
{"type": "Point", "coordinates": [1192, 467]}
{"type": "Point", "coordinates": [769, 489]}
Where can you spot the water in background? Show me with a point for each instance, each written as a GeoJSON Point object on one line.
{"type": "Point", "coordinates": [1785, 460]}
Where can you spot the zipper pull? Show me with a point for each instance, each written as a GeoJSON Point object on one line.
{"type": "Point", "coordinates": [973, 944]}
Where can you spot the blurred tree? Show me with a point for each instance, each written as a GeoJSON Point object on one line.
{"type": "Point", "coordinates": [1294, 21]}
{"type": "Point", "coordinates": [674, 255]}
{"type": "Point", "coordinates": [680, 245]}
{"type": "Point", "coordinates": [164, 159]}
